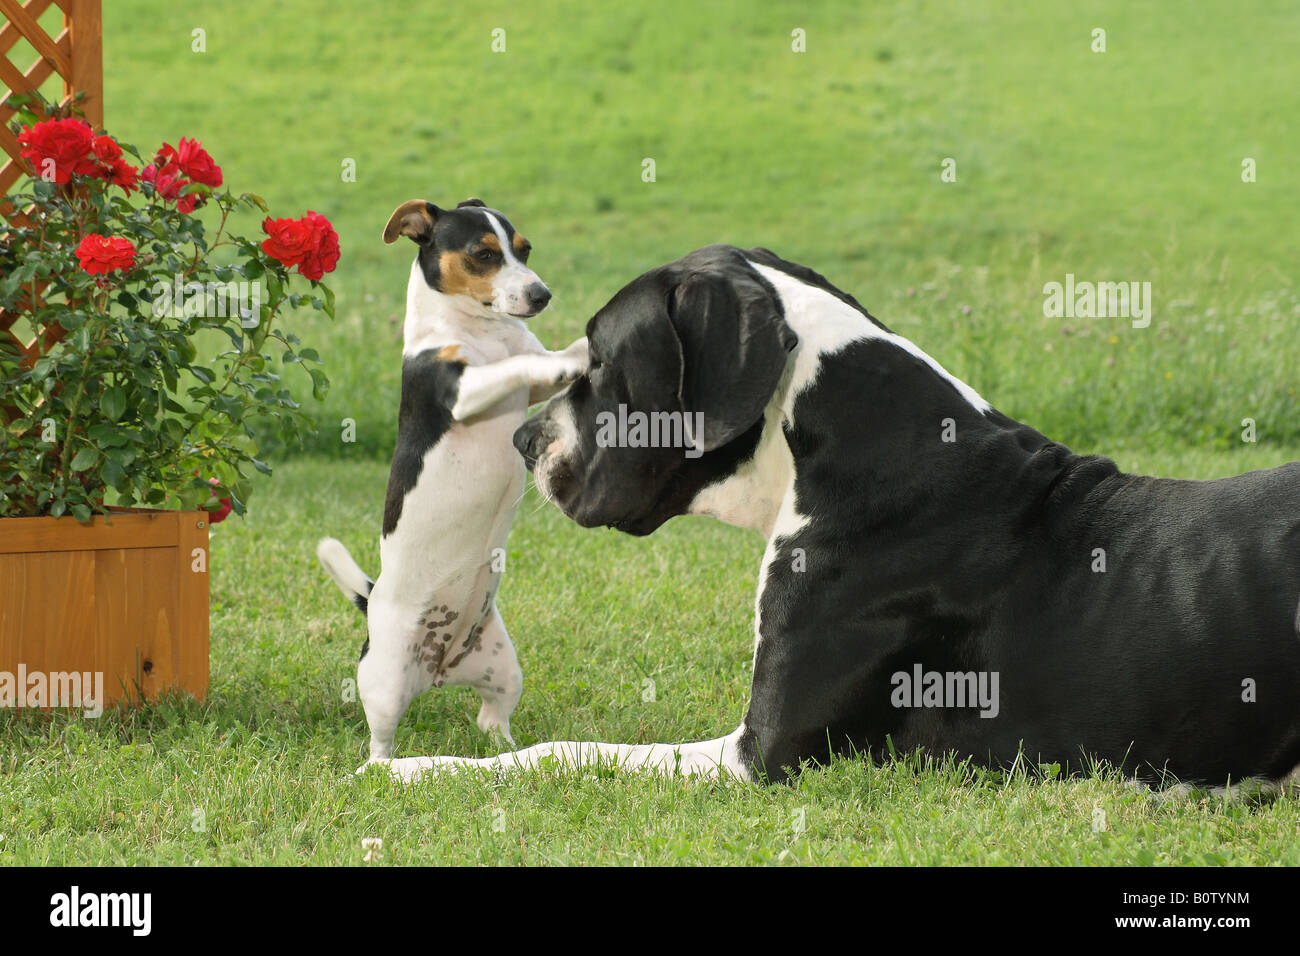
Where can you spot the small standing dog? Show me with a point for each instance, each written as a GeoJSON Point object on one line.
{"type": "Point", "coordinates": [470, 369]}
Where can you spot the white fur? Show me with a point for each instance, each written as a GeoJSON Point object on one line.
{"type": "Point", "coordinates": [512, 279]}
{"type": "Point", "coordinates": [454, 522]}
{"type": "Point", "coordinates": [707, 759]}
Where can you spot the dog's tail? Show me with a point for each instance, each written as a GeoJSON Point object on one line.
{"type": "Point", "coordinates": [347, 574]}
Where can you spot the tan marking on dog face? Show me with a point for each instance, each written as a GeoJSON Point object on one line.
{"type": "Point", "coordinates": [491, 241]}
{"type": "Point", "coordinates": [520, 243]}
{"type": "Point", "coordinates": [461, 276]}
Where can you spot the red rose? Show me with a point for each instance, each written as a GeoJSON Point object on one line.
{"type": "Point", "coordinates": [111, 167]}
{"type": "Point", "coordinates": [167, 183]}
{"type": "Point", "coordinates": [100, 255]}
{"type": "Point", "coordinates": [123, 174]}
{"type": "Point", "coordinates": [310, 243]}
{"type": "Point", "coordinates": [106, 150]}
{"type": "Point", "coordinates": [68, 143]}
{"type": "Point", "coordinates": [194, 162]}
{"type": "Point", "coordinates": [171, 166]}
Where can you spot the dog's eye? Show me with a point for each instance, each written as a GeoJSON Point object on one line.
{"type": "Point", "coordinates": [485, 255]}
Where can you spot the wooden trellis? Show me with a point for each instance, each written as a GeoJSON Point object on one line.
{"type": "Point", "coordinates": [76, 55]}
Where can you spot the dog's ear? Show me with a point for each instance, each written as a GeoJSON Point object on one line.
{"type": "Point", "coordinates": [471, 202]}
{"type": "Point", "coordinates": [735, 343]}
{"type": "Point", "coordinates": [414, 218]}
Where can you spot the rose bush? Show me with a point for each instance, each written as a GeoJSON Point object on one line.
{"type": "Point", "coordinates": [154, 327]}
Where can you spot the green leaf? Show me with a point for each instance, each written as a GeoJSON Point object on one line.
{"type": "Point", "coordinates": [110, 435]}
{"type": "Point", "coordinates": [113, 403]}
{"type": "Point", "coordinates": [113, 472]}
{"type": "Point", "coordinates": [320, 384]}
{"type": "Point", "coordinates": [84, 458]}
{"type": "Point", "coordinates": [81, 513]}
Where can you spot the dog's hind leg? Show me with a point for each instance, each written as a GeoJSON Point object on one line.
{"type": "Point", "coordinates": [389, 676]}
{"type": "Point", "coordinates": [489, 665]}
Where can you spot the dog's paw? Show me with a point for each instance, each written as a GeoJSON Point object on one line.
{"type": "Point", "coordinates": [577, 350]}
{"type": "Point", "coordinates": [568, 372]}
{"type": "Point", "coordinates": [494, 725]}
{"type": "Point", "coordinates": [573, 362]}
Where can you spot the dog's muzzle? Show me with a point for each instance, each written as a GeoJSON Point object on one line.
{"type": "Point", "coordinates": [528, 440]}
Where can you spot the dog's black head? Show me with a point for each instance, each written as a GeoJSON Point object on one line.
{"type": "Point", "coordinates": [684, 360]}
{"type": "Point", "coordinates": [472, 253]}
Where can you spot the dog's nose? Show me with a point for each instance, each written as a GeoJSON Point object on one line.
{"type": "Point", "coordinates": [538, 295]}
{"type": "Point", "coordinates": [526, 437]}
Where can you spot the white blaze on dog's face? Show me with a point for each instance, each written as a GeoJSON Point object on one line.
{"type": "Point", "coordinates": [473, 255]}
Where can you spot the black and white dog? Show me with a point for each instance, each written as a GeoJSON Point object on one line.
{"type": "Point", "coordinates": [937, 575]}
{"type": "Point", "coordinates": [470, 369]}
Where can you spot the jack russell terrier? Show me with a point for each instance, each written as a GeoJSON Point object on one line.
{"type": "Point", "coordinates": [470, 369]}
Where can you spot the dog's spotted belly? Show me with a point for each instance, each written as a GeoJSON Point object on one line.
{"type": "Point", "coordinates": [445, 639]}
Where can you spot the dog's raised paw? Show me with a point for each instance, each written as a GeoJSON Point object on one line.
{"type": "Point", "coordinates": [569, 372]}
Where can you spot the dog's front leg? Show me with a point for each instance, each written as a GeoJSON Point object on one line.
{"type": "Point", "coordinates": [708, 759]}
{"type": "Point", "coordinates": [577, 352]}
{"type": "Point", "coordinates": [482, 386]}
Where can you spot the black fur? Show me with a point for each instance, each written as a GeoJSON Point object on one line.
{"type": "Point", "coordinates": [429, 389]}
{"type": "Point", "coordinates": [973, 555]}
{"type": "Point", "coordinates": [661, 344]}
{"type": "Point", "coordinates": [462, 230]}
{"type": "Point", "coordinates": [362, 601]}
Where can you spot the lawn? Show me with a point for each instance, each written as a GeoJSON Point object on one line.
{"type": "Point", "coordinates": [1123, 165]}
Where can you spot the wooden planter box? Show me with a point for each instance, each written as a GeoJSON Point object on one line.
{"type": "Point", "coordinates": [129, 599]}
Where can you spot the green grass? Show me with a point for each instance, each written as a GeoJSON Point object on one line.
{"type": "Point", "coordinates": [1123, 165]}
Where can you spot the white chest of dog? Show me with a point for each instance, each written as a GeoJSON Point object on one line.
{"type": "Point", "coordinates": [470, 369]}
